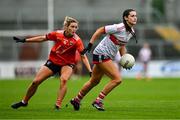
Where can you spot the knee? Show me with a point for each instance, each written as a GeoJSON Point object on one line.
{"type": "Point", "coordinates": [35, 83]}
{"type": "Point", "coordinates": [94, 82]}
{"type": "Point", "coordinates": [117, 81]}
{"type": "Point", "coordinates": [37, 80]}
{"type": "Point", "coordinates": [63, 80]}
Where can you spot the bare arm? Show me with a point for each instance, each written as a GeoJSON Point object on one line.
{"type": "Point", "coordinates": [97, 34]}
{"type": "Point", "coordinates": [86, 62]}
{"type": "Point", "coordinates": [36, 39]}
{"type": "Point", "coordinates": [122, 50]}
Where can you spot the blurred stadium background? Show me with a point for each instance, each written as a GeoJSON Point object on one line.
{"type": "Point", "coordinates": [158, 24]}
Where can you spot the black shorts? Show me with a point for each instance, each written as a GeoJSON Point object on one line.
{"type": "Point", "coordinates": [54, 67]}
{"type": "Point", "coordinates": [100, 58]}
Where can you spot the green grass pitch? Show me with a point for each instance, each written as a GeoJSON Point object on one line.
{"type": "Point", "coordinates": [156, 99]}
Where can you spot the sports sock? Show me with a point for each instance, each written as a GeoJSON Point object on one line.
{"type": "Point", "coordinates": [58, 102]}
{"type": "Point", "coordinates": [23, 102]}
{"type": "Point", "coordinates": [101, 96]}
{"type": "Point", "coordinates": [79, 97]}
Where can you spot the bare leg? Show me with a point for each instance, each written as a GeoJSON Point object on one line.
{"type": "Point", "coordinates": [111, 71]}
{"type": "Point", "coordinates": [66, 72]}
{"type": "Point", "coordinates": [94, 80]}
{"type": "Point", "coordinates": [42, 75]}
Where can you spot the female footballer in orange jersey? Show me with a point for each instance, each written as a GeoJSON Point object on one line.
{"type": "Point", "coordinates": [61, 59]}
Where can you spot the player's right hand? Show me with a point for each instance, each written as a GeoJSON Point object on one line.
{"type": "Point", "coordinates": [87, 49]}
{"type": "Point", "coordinates": [19, 39]}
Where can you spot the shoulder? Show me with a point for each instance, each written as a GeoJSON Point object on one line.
{"type": "Point", "coordinates": [59, 31]}
{"type": "Point", "coordinates": [120, 26]}
{"type": "Point", "coordinates": [56, 32]}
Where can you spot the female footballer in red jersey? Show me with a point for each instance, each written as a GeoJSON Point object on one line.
{"type": "Point", "coordinates": [117, 36]}
{"type": "Point", "coordinates": [61, 59]}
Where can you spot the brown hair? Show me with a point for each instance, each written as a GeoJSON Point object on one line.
{"type": "Point", "coordinates": [125, 14]}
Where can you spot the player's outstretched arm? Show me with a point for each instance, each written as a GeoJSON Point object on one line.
{"type": "Point", "coordinates": [32, 39]}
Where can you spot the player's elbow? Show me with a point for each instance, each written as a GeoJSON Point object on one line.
{"type": "Point", "coordinates": [101, 30]}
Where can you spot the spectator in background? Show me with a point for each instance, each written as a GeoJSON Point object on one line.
{"type": "Point", "coordinates": [61, 60]}
{"type": "Point", "coordinates": [144, 57]}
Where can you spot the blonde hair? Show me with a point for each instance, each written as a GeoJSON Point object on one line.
{"type": "Point", "coordinates": [68, 20]}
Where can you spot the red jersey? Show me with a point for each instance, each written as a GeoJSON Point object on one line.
{"type": "Point", "coordinates": [64, 50]}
